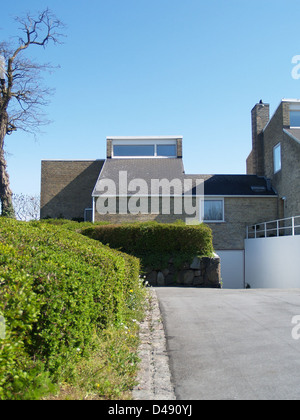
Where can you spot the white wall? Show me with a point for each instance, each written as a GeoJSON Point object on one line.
{"type": "Point", "coordinates": [232, 268]}
{"type": "Point", "coordinates": [273, 262]}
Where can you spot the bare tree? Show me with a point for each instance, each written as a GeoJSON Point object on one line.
{"type": "Point", "coordinates": [26, 207]}
{"type": "Point", "coordinates": [21, 93]}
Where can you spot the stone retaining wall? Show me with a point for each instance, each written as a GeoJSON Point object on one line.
{"type": "Point", "coordinates": [202, 272]}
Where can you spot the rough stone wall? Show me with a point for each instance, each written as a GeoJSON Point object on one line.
{"type": "Point", "coordinates": [202, 272]}
{"type": "Point", "coordinates": [66, 187]}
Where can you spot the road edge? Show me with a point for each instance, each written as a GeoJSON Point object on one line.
{"type": "Point", "coordinates": [154, 376]}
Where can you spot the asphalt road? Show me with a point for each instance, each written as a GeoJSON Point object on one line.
{"type": "Point", "coordinates": [232, 344]}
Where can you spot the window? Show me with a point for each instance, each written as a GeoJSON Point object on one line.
{"type": "Point", "coordinates": [212, 210]}
{"type": "Point", "coordinates": [166, 150]}
{"type": "Point", "coordinates": [134, 150]}
{"type": "Point", "coordinates": [295, 118]}
{"type": "Point", "coordinates": [277, 158]}
{"type": "Point", "coordinates": [144, 148]}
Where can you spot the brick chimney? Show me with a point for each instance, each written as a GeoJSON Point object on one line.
{"type": "Point", "coordinates": [260, 116]}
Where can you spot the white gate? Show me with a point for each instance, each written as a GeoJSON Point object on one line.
{"type": "Point", "coordinates": [232, 268]}
{"type": "Point", "coordinates": [272, 252]}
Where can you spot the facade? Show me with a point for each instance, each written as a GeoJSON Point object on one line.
{"type": "Point", "coordinates": [66, 187]}
{"type": "Point", "coordinates": [276, 152]}
{"type": "Point", "coordinates": [143, 178]}
{"type": "Point", "coordinates": [126, 179]}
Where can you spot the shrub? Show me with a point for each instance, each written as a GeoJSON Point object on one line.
{"type": "Point", "coordinates": [155, 242]}
{"type": "Point", "coordinates": [58, 289]}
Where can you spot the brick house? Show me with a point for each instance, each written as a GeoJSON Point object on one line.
{"type": "Point", "coordinates": [276, 152]}
{"type": "Point", "coordinates": [96, 190]}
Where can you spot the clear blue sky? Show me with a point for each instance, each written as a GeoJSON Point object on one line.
{"type": "Point", "coordinates": [158, 67]}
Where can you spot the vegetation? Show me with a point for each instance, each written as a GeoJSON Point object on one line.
{"type": "Point", "coordinates": [155, 243]}
{"type": "Point", "coordinates": [71, 307]}
{"type": "Point", "coordinates": [71, 304]}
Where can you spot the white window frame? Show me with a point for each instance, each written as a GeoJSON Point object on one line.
{"type": "Point", "coordinates": [153, 142]}
{"type": "Point", "coordinates": [275, 168]}
{"type": "Point", "coordinates": [202, 200]}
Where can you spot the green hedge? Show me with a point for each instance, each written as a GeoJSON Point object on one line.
{"type": "Point", "coordinates": [57, 289]}
{"type": "Point", "coordinates": [155, 242]}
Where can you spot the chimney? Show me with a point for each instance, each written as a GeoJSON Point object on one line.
{"type": "Point", "coordinates": [260, 115]}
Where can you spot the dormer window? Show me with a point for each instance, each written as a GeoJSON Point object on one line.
{"type": "Point", "coordinates": [122, 150]}
{"type": "Point", "coordinates": [167, 150]}
{"type": "Point", "coordinates": [147, 147]}
{"type": "Point", "coordinates": [295, 115]}
{"type": "Point", "coordinates": [294, 118]}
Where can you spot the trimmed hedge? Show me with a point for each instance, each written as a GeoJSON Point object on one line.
{"type": "Point", "coordinates": [57, 289]}
{"type": "Point", "coordinates": [155, 242]}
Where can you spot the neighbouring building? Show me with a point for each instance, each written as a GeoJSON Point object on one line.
{"type": "Point", "coordinates": [143, 178]}
{"type": "Point", "coordinates": [276, 152]}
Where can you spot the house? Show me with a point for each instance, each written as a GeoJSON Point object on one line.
{"type": "Point", "coordinates": [276, 152]}
{"type": "Point", "coordinates": [143, 178]}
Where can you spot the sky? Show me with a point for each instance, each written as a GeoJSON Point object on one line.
{"type": "Point", "coordinates": [156, 67]}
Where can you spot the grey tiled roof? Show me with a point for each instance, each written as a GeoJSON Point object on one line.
{"type": "Point", "coordinates": [141, 168]}
{"type": "Point", "coordinates": [239, 185]}
{"type": "Point", "coordinates": [293, 132]}
{"type": "Point", "coordinates": [148, 169]}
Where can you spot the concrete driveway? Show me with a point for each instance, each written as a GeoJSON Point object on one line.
{"type": "Point", "coordinates": [232, 344]}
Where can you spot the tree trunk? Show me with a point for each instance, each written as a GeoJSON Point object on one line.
{"type": "Point", "coordinates": [5, 191]}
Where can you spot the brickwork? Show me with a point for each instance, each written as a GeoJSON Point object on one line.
{"type": "Point", "coordinates": [143, 217]}
{"type": "Point", "coordinates": [273, 135]}
{"type": "Point", "coordinates": [287, 180]}
{"type": "Point", "coordinates": [179, 148]}
{"type": "Point", "coordinates": [259, 117]}
{"type": "Point", "coordinates": [108, 148]}
{"type": "Point", "coordinates": [66, 187]}
{"type": "Point", "coordinates": [239, 213]}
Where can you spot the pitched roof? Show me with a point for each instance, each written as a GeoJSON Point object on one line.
{"type": "Point", "coordinates": [139, 168]}
{"type": "Point", "coordinates": [293, 132]}
{"type": "Point", "coordinates": [236, 185]}
{"type": "Point", "coordinates": [148, 169]}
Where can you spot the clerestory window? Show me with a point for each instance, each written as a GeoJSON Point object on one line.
{"type": "Point", "coordinates": [155, 149]}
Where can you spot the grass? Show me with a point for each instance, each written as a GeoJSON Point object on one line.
{"type": "Point", "coordinates": [110, 370]}
{"type": "Point", "coordinates": [109, 373]}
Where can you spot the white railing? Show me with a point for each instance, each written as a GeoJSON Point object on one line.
{"type": "Point", "coordinates": [281, 227]}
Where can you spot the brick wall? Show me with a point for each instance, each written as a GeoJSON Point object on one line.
{"type": "Point", "coordinates": [287, 180]}
{"type": "Point", "coordinates": [273, 134]}
{"type": "Point", "coordinates": [259, 118]}
{"type": "Point", "coordinates": [239, 212]}
{"type": "Point", "coordinates": [143, 217]}
{"type": "Point", "coordinates": [66, 187]}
